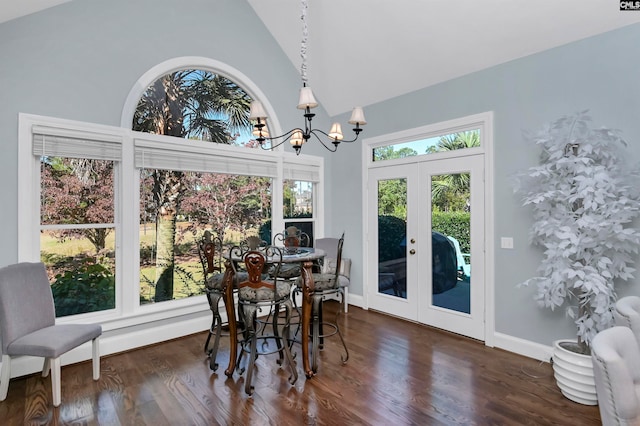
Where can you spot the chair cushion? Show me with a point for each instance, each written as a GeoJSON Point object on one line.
{"type": "Point", "coordinates": [214, 282]}
{"type": "Point", "coordinates": [322, 282]}
{"type": "Point", "coordinates": [53, 341]}
{"type": "Point", "coordinates": [248, 294]}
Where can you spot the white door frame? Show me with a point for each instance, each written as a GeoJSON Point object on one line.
{"type": "Point", "coordinates": [482, 121]}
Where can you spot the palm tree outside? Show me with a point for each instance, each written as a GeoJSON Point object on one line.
{"type": "Point", "coordinates": [193, 104]}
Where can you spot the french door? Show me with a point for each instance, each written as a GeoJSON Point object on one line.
{"type": "Point", "coordinates": [426, 243]}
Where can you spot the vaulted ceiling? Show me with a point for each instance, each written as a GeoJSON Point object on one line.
{"type": "Point", "coordinates": [366, 51]}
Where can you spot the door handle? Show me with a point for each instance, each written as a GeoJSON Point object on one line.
{"type": "Point", "coordinates": [412, 251]}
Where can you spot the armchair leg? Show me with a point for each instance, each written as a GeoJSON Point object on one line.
{"type": "Point", "coordinates": [5, 376]}
{"type": "Point", "coordinates": [55, 381]}
{"type": "Point", "coordinates": [95, 350]}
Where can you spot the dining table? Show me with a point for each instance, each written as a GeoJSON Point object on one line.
{"type": "Point", "coordinates": [302, 255]}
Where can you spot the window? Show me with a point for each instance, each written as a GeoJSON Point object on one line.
{"type": "Point", "coordinates": [231, 206]}
{"type": "Point", "coordinates": [430, 145]}
{"type": "Point", "coordinates": [198, 105]}
{"type": "Point", "coordinates": [179, 199]}
{"type": "Point", "coordinates": [92, 198]}
{"type": "Point", "coordinates": [77, 218]}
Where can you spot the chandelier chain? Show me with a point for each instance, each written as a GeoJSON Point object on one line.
{"type": "Point", "coordinates": [298, 136]}
{"type": "Point", "coordinates": [303, 43]}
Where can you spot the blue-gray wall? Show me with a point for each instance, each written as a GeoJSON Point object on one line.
{"type": "Point", "coordinates": [598, 73]}
{"type": "Point", "coordinates": [80, 60]}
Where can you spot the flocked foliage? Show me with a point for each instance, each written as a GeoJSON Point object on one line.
{"type": "Point", "coordinates": [584, 199]}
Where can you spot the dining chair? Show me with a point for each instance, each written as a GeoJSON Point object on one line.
{"type": "Point", "coordinates": [330, 247]}
{"type": "Point", "coordinates": [258, 292]}
{"type": "Point", "coordinates": [291, 239]}
{"type": "Point", "coordinates": [253, 242]}
{"type": "Point", "coordinates": [210, 252]}
{"type": "Point", "coordinates": [616, 370]}
{"type": "Point", "coordinates": [28, 325]}
{"type": "Point", "coordinates": [327, 283]}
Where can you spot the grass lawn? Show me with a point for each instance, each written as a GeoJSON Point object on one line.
{"type": "Point", "coordinates": [188, 274]}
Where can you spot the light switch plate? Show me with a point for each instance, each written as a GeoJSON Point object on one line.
{"type": "Point", "coordinates": [506, 242]}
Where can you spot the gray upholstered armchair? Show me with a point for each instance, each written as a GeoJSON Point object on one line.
{"type": "Point", "coordinates": [627, 313]}
{"type": "Point", "coordinates": [27, 325]}
{"type": "Point", "coordinates": [616, 368]}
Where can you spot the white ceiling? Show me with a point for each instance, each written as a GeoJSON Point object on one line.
{"type": "Point", "coordinates": [366, 51]}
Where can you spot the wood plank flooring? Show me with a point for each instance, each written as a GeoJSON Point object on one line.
{"type": "Point", "coordinates": [399, 373]}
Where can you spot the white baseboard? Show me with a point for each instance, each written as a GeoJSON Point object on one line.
{"type": "Point", "coordinates": [356, 300]}
{"type": "Point", "coordinates": [523, 347]}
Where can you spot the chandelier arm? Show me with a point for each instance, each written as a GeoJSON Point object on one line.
{"type": "Point", "coordinates": [315, 132]}
{"type": "Point", "coordinates": [285, 137]}
{"type": "Point", "coordinates": [327, 135]}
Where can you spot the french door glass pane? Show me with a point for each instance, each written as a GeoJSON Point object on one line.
{"type": "Point", "coordinates": [392, 230]}
{"type": "Point", "coordinates": [450, 241]}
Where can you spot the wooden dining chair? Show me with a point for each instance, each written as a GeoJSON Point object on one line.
{"type": "Point", "coordinates": [215, 280]}
{"type": "Point", "coordinates": [327, 283]}
{"type": "Point", "coordinates": [291, 239]}
{"type": "Point", "coordinates": [258, 292]}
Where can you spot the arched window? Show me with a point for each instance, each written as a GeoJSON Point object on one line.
{"type": "Point", "coordinates": [181, 200]}
{"type": "Point", "coordinates": [196, 104]}
{"type": "Point", "coordinates": [136, 197]}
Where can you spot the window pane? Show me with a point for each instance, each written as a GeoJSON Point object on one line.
{"type": "Point", "coordinates": [298, 199]}
{"type": "Point", "coordinates": [176, 207]}
{"type": "Point", "coordinates": [77, 242]}
{"type": "Point", "coordinates": [196, 105]}
{"type": "Point", "coordinates": [298, 204]}
{"type": "Point", "coordinates": [81, 280]}
{"type": "Point", "coordinates": [450, 241]}
{"type": "Point", "coordinates": [392, 237]}
{"type": "Point", "coordinates": [450, 142]}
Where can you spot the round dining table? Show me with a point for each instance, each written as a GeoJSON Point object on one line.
{"type": "Point", "coordinates": [303, 255]}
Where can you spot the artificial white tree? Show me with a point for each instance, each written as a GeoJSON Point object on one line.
{"type": "Point", "coordinates": [585, 199]}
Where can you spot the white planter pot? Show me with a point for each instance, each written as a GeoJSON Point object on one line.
{"type": "Point", "coordinates": [574, 374]}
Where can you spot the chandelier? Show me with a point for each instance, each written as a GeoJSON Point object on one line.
{"type": "Point", "coordinates": [298, 136]}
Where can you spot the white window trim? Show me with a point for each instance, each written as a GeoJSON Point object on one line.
{"type": "Point", "coordinates": [128, 312]}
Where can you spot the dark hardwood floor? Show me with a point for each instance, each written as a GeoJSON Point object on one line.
{"type": "Point", "coordinates": [399, 373]}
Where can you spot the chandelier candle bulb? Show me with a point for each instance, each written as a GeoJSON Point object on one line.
{"type": "Point", "coordinates": [336, 132]}
{"type": "Point", "coordinates": [296, 139]}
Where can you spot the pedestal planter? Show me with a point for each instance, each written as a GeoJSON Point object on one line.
{"type": "Point", "coordinates": [574, 373]}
